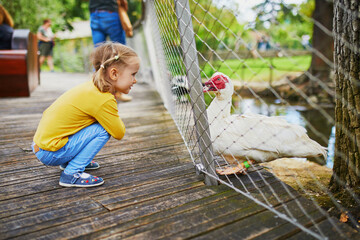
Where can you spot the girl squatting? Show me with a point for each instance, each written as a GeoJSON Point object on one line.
{"type": "Point", "coordinates": [79, 123]}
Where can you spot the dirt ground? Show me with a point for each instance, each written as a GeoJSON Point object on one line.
{"type": "Point", "coordinates": [312, 181]}
{"type": "Point", "coordinates": [304, 176]}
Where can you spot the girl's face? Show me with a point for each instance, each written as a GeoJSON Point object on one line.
{"type": "Point", "coordinates": [125, 77]}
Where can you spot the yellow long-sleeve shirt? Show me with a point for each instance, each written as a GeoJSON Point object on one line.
{"type": "Point", "coordinates": [74, 110]}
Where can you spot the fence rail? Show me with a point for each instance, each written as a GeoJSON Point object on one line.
{"type": "Point", "coordinates": [188, 41]}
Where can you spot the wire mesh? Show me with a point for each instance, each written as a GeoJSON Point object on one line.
{"type": "Point", "coordinates": [190, 40]}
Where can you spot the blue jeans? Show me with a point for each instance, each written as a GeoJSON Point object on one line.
{"type": "Point", "coordinates": [79, 151]}
{"type": "Point", "coordinates": [105, 24]}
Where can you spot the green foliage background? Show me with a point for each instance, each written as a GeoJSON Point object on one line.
{"type": "Point", "coordinates": [287, 22]}
{"type": "Point", "coordinates": [69, 55]}
{"type": "Point", "coordinates": [29, 14]}
{"type": "Point", "coordinates": [216, 27]}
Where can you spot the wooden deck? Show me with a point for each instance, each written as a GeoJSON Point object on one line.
{"type": "Point", "coordinates": [151, 190]}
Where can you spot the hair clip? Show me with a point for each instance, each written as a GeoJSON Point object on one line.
{"type": "Point", "coordinates": [102, 66]}
{"type": "Point", "coordinates": [116, 57]}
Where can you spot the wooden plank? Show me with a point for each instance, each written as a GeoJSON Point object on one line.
{"type": "Point", "coordinates": [222, 194]}
{"type": "Point", "coordinates": [285, 229]}
{"type": "Point", "coordinates": [51, 183]}
{"type": "Point", "coordinates": [150, 191]}
{"type": "Point", "coordinates": [342, 231]}
{"type": "Point", "coordinates": [164, 216]}
{"type": "Point", "coordinates": [202, 220]}
{"type": "Point", "coordinates": [42, 198]}
{"type": "Point", "coordinates": [28, 168]}
{"type": "Point", "coordinates": [59, 214]}
{"type": "Point", "coordinates": [133, 133]}
{"type": "Point", "coordinates": [129, 143]}
{"type": "Point", "coordinates": [242, 228]}
{"type": "Point", "coordinates": [142, 193]}
{"type": "Point", "coordinates": [167, 224]}
{"type": "Point", "coordinates": [101, 221]}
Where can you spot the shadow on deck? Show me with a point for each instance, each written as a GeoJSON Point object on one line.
{"type": "Point", "coordinates": [151, 190]}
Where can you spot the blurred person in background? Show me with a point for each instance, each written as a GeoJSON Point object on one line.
{"type": "Point", "coordinates": [105, 22]}
{"type": "Point", "coordinates": [46, 43]}
{"type": "Point", "coordinates": [6, 28]}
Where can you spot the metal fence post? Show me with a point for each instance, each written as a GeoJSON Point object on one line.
{"type": "Point", "coordinates": [190, 59]}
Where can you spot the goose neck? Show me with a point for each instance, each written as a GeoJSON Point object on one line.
{"type": "Point", "coordinates": [219, 109]}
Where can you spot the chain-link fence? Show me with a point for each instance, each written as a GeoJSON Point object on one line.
{"type": "Point", "coordinates": [264, 98]}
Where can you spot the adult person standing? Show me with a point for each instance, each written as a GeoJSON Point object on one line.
{"type": "Point", "coordinates": [105, 22]}
{"type": "Point", "coordinates": [6, 28]}
{"type": "Point", "coordinates": [46, 43]}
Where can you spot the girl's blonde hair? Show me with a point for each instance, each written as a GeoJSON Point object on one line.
{"type": "Point", "coordinates": [5, 17]}
{"type": "Point", "coordinates": [105, 56]}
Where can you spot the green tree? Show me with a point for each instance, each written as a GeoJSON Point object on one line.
{"type": "Point", "coordinates": [284, 23]}
{"type": "Point", "coordinates": [216, 27]}
{"type": "Point", "coordinates": [321, 65]}
{"type": "Point", "coordinates": [135, 10]}
{"type": "Point", "coordinates": [312, 82]}
{"type": "Point", "coordinates": [347, 111]}
{"type": "Point", "coordinates": [29, 14]}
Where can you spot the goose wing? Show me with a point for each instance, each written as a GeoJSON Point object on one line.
{"type": "Point", "coordinates": [264, 137]}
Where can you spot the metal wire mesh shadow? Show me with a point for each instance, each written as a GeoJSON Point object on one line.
{"type": "Point", "coordinates": [270, 111]}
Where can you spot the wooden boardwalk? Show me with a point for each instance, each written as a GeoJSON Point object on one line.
{"type": "Point", "coordinates": [151, 190]}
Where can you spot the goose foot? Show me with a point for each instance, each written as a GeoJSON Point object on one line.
{"type": "Point", "coordinates": [234, 169]}
{"type": "Point", "coordinates": [240, 168]}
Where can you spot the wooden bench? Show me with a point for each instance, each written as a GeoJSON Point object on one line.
{"type": "Point", "coordinates": [19, 67]}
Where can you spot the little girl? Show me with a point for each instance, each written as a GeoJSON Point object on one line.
{"type": "Point", "coordinates": [79, 123]}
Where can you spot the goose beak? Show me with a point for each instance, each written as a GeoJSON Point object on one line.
{"type": "Point", "coordinates": [205, 88]}
{"type": "Point", "coordinates": [209, 86]}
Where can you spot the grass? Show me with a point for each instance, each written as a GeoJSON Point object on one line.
{"type": "Point", "coordinates": [258, 69]}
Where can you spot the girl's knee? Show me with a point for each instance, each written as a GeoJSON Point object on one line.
{"type": "Point", "coordinates": [102, 131]}
{"type": "Point", "coordinates": [106, 135]}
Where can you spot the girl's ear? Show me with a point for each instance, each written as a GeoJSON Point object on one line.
{"type": "Point", "coordinates": [113, 73]}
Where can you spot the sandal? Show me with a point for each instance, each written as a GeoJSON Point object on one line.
{"type": "Point", "coordinates": [79, 180]}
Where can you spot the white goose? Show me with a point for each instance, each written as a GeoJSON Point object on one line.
{"type": "Point", "coordinates": [250, 138]}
